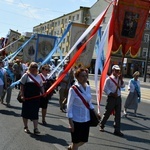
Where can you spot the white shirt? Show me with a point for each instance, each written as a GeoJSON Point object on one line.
{"type": "Point", "coordinates": [44, 77]}
{"type": "Point", "coordinates": [25, 78]}
{"type": "Point", "coordinates": [110, 87]}
{"type": "Point", "coordinates": [24, 67]}
{"type": "Point", "coordinates": [75, 107]}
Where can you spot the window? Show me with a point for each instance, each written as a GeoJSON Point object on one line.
{"type": "Point", "coordinates": [73, 18]}
{"type": "Point", "coordinates": [146, 38]}
{"type": "Point", "coordinates": [148, 24]}
{"type": "Point", "coordinates": [55, 24]}
{"type": "Point", "coordinates": [58, 23]}
{"type": "Point", "coordinates": [66, 20]}
{"type": "Point", "coordinates": [144, 52]}
{"type": "Point", "coordinates": [77, 16]}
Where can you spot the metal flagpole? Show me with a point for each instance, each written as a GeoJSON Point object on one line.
{"type": "Point", "coordinates": [146, 62]}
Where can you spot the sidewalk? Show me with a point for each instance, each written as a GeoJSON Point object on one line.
{"type": "Point", "coordinates": [145, 87]}
{"type": "Point", "coordinates": [143, 84]}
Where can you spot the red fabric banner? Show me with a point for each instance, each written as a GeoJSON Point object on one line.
{"type": "Point", "coordinates": [130, 20]}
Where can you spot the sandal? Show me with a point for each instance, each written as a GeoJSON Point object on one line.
{"type": "Point", "coordinates": [44, 122]}
{"type": "Point", "coordinates": [26, 130]}
{"type": "Point", "coordinates": [101, 129]}
{"type": "Point", "coordinates": [69, 147]}
{"type": "Point", "coordinates": [36, 131]}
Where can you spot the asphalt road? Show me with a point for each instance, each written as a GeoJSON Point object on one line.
{"type": "Point", "coordinates": [56, 136]}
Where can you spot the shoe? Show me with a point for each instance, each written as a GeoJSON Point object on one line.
{"type": "Point", "coordinates": [118, 133]}
{"type": "Point", "coordinates": [26, 130]}
{"type": "Point", "coordinates": [63, 110]}
{"type": "Point", "coordinates": [2, 102]}
{"type": "Point", "coordinates": [125, 113]}
{"type": "Point", "coordinates": [8, 105]}
{"type": "Point", "coordinates": [101, 129]}
{"type": "Point", "coordinates": [69, 147]}
{"type": "Point", "coordinates": [36, 131]}
{"type": "Point", "coordinates": [44, 122]}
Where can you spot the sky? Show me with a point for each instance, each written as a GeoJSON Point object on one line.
{"type": "Point", "coordinates": [23, 15]}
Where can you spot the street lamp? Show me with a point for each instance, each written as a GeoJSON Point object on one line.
{"type": "Point", "coordinates": [147, 57]}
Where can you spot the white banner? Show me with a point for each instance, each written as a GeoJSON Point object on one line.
{"type": "Point", "coordinates": [85, 58]}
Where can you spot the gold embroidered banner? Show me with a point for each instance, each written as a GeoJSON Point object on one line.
{"type": "Point", "coordinates": [130, 20]}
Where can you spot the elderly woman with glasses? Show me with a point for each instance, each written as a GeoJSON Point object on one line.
{"type": "Point", "coordinates": [31, 88]}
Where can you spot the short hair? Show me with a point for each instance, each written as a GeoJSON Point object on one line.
{"type": "Point", "coordinates": [32, 64]}
{"type": "Point", "coordinates": [78, 71]}
{"type": "Point", "coordinates": [44, 66]}
{"type": "Point", "coordinates": [136, 73]}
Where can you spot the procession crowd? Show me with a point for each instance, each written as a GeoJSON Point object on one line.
{"type": "Point", "coordinates": [74, 96]}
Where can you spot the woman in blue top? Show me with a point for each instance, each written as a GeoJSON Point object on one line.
{"type": "Point", "coordinates": [134, 95]}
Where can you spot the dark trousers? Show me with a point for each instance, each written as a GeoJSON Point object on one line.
{"type": "Point", "coordinates": [18, 76]}
{"type": "Point", "coordinates": [113, 104]}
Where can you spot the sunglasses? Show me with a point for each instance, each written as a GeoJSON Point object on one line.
{"type": "Point", "coordinates": [34, 67]}
{"type": "Point", "coordinates": [46, 69]}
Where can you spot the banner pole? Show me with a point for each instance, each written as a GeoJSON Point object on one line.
{"type": "Point", "coordinates": [146, 62]}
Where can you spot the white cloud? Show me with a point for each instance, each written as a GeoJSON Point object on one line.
{"type": "Point", "coordinates": [9, 1]}
{"type": "Point", "coordinates": [29, 11]}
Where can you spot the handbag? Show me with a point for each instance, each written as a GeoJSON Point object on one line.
{"type": "Point", "coordinates": [20, 100]}
{"type": "Point", "coordinates": [94, 120]}
{"type": "Point", "coordinates": [19, 97]}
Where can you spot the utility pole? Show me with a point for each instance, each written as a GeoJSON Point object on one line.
{"type": "Point", "coordinates": [147, 57]}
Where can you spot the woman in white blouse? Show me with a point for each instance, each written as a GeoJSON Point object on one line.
{"type": "Point", "coordinates": [77, 112]}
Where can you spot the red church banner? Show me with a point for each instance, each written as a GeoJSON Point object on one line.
{"type": "Point", "coordinates": [130, 20]}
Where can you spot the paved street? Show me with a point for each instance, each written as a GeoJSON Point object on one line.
{"type": "Point", "coordinates": [56, 136]}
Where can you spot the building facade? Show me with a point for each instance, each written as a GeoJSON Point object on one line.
{"type": "Point", "coordinates": [86, 15]}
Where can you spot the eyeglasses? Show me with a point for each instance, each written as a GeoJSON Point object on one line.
{"type": "Point", "coordinates": [46, 69]}
{"type": "Point", "coordinates": [34, 67]}
{"type": "Point", "coordinates": [85, 76]}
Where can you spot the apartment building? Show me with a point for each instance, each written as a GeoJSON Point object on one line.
{"type": "Point", "coordinates": [86, 15]}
